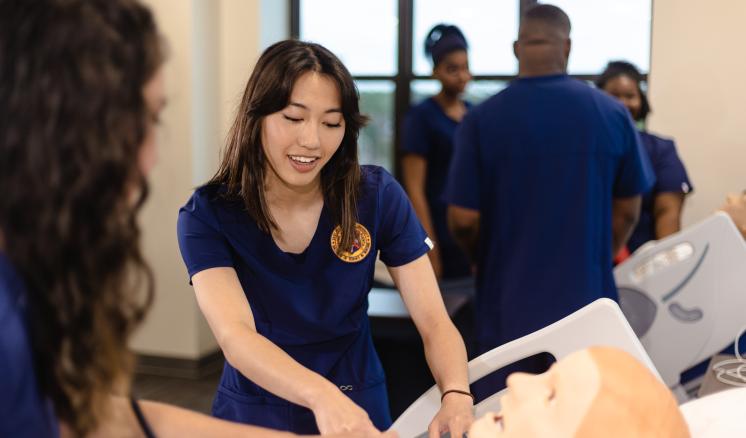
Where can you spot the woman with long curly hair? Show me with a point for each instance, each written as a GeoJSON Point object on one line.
{"type": "Point", "coordinates": [81, 89]}
{"type": "Point", "coordinates": [281, 244]}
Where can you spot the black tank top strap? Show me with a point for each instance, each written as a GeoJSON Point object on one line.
{"type": "Point", "coordinates": [141, 419]}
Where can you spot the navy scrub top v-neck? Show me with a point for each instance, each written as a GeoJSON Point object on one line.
{"type": "Point", "coordinates": [313, 305]}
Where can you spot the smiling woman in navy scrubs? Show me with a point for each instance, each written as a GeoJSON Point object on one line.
{"type": "Point", "coordinates": [429, 129]}
{"type": "Point", "coordinates": [662, 205]}
{"type": "Point", "coordinates": [281, 244]}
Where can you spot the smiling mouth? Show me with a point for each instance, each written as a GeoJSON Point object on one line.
{"type": "Point", "coordinates": [300, 159]}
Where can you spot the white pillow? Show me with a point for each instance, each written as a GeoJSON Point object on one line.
{"type": "Point", "coordinates": [722, 414]}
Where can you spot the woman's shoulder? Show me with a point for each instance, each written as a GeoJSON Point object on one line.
{"type": "Point", "coordinates": [423, 108]}
{"type": "Point", "coordinates": [659, 148]}
{"type": "Point", "coordinates": [657, 141]}
{"type": "Point", "coordinates": [376, 183]}
{"type": "Point", "coordinates": [373, 176]}
{"type": "Point", "coordinates": [207, 201]}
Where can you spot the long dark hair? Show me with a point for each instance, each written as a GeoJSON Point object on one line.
{"type": "Point", "coordinates": [244, 165]}
{"type": "Point", "coordinates": [73, 119]}
{"type": "Point", "coordinates": [613, 70]}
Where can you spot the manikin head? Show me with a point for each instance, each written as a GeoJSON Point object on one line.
{"type": "Point", "coordinates": [600, 391]}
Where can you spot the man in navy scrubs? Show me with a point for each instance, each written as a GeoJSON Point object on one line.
{"type": "Point", "coordinates": [543, 189]}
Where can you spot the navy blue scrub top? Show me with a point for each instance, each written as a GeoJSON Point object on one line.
{"type": "Point", "coordinates": [541, 161]}
{"type": "Point", "coordinates": [24, 411]}
{"type": "Point", "coordinates": [429, 132]}
{"type": "Point", "coordinates": [312, 305]}
{"type": "Point", "coordinates": [670, 177]}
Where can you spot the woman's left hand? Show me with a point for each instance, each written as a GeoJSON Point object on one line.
{"type": "Point", "coordinates": [455, 416]}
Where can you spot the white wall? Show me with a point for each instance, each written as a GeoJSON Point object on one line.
{"type": "Point", "coordinates": [697, 91]}
{"type": "Point", "coordinates": [211, 47]}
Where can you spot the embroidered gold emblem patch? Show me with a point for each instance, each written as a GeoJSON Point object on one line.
{"type": "Point", "coordinates": [360, 248]}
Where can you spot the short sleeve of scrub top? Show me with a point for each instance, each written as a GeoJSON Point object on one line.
{"type": "Point", "coordinates": [463, 187]}
{"type": "Point", "coordinates": [635, 174]}
{"type": "Point", "coordinates": [669, 170]}
{"type": "Point", "coordinates": [202, 243]}
{"type": "Point", "coordinates": [402, 238]}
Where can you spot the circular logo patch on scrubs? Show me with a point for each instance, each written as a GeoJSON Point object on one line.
{"type": "Point", "coordinates": [360, 244]}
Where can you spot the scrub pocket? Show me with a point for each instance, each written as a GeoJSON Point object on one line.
{"type": "Point", "coordinates": [374, 399]}
{"type": "Point", "coordinates": [250, 409]}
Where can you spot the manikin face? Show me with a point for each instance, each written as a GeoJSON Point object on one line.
{"type": "Point", "coordinates": [552, 404]}
{"type": "Point", "coordinates": [453, 72]}
{"type": "Point", "coordinates": [624, 88]}
{"type": "Point", "coordinates": [302, 137]}
{"type": "Point", "coordinates": [594, 392]}
{"type": "Point", "coordinates": [155, 100]}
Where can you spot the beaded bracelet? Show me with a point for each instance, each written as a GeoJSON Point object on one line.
{"type": "Point", "coordinates": [457, 391]}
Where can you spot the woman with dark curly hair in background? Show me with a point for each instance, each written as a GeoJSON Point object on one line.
{"type": "Point", "coordinates": [81, 90]}
{"type": "Point", "coordinates": [661, 207]}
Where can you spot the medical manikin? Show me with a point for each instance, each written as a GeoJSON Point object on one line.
{"type": "Point", "coordinates": [594, 392]}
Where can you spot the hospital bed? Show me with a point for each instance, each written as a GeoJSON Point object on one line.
{"type": "Point", "coordinates": [717, 415]}
{"type": "Point", "coordinates": [599, 323]}
{"type": "Point", "coordinates": [685, 295]}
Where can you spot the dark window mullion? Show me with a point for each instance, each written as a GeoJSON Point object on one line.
{"type": "Point", "coordinates": [294, 18]}
{"type": "Point", "coordinates": [403, 77]}
{"type": "Point", "coordinates": [474, 78]}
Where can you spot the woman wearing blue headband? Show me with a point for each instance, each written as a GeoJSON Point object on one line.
{"type": "Point", "coordinates": [428, 144]}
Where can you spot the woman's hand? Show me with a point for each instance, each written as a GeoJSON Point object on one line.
{"type": "Point", "coordinates": [335, 413]}
{"type": "Point", "coordinates": [455, 416]}
{"type": "Point", "coordinates": [735, 206]}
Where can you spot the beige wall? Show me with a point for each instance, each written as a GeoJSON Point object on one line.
{"type": "Point", "coordinates": [697, 91]}
{"type": "Point", "coordinates": [212, 46]}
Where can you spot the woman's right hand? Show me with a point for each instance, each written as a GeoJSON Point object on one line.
{"type": "Point", "coordinates": [335, 413]}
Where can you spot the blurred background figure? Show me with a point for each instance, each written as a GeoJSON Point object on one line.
{"type": "Point", "coordinates": [427, 144]}
{"type": "Point", "coordinates": [660, 214]}
{"type": "Point", "coordinates": [543, 188]}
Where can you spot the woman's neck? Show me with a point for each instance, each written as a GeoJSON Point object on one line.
{"type": "Point", "coordinates": [446, 99]}
{"type": "Point", "coordinates": [285, 197]}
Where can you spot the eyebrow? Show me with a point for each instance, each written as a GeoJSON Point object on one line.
{"type": "Point", "coordinates": [300, 105]}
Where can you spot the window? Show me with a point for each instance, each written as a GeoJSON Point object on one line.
{"type": "Point", "coordinates": [489, 26]}
{"type": "Point", "coordinates": [381, 43]}
{"type": "Point", "coordinates": [608, 30]}
{"type": "Point", "coordinates": [366, 46]}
